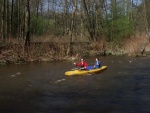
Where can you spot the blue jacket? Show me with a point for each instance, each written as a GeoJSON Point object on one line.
{"type": "Point", "coordinates": [97, 64]}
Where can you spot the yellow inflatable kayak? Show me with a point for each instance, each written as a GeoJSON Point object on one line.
{"type": "Point", "coordinates": [85, 72]}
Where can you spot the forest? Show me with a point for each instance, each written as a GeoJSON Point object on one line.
{"type": "Point", "coordinates": [56, 30]}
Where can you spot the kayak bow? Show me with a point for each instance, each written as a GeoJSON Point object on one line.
{"type": "Point", "coordinates": [84, 72]}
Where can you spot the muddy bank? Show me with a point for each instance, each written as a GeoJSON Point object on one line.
{"type": "Point", "coordinates": [51, 51]}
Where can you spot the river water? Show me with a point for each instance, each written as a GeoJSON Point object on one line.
{"type": "Point", "coordinates": [42, 87]}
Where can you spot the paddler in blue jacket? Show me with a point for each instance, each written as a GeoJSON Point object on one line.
{"type": "Point", "coordinates": [97, 63]}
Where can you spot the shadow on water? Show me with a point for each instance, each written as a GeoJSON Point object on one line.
{"type": "Point", "coordinates": [43, 88]}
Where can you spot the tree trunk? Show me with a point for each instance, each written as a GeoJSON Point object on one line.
{"type": "Point", "coordinates": [27, 23]}
{"type": "Point", "coordinates": [146, 22]}
{"type": "Point", "coordinates": [37, 15]}
{"type": "Point", "coordinates": [89, 25]}
{"type": "Point", "coordinates": [72, 21]}
{"type": "Point", "coordinates": [8, 21]}
{"type": "Point", "coordinates": [11, 18]}
{"type": "Point", "coordinates": [2, 21]}
{"type": "Point", "coordinates": [72, 26]}
{"type": "Point", "coordinates": [18, 19]}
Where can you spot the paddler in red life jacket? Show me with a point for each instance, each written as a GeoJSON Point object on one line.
{"type": "Point", "coordinates": [82, 64]}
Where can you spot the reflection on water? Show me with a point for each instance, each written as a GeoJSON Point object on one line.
{"type": "Point", "coordinates": [43, 88]}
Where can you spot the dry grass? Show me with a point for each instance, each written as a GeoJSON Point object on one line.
{"type": "Point", "coordinates": [135, 45]}
{"type": "Point", "coordinates": [53, 38]}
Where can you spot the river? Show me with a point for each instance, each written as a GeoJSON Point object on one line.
{"type": "Point", "coordinates": [42, 87]}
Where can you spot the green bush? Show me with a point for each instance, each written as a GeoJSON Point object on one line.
{"type": "Point", "coordinates": [38, 25]}
{"type": "Point", "coordinates": [120, 28]}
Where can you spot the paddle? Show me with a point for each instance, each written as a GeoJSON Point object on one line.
{"type": "Point", "coordinates": [78, 69]}
{"type": "Point", "coordinates": [74, 69]}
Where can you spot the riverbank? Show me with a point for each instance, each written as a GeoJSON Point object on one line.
{"type": "Point", "coordinates": [59, 51]}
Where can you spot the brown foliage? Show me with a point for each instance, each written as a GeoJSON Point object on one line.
{"type": "Point", "coordinates": [135, 45]}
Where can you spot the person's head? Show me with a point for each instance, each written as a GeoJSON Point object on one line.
{"type": "Point", "coordinates": [82, 60]}
{"type": "Point", "coordinates": [97, 59]}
